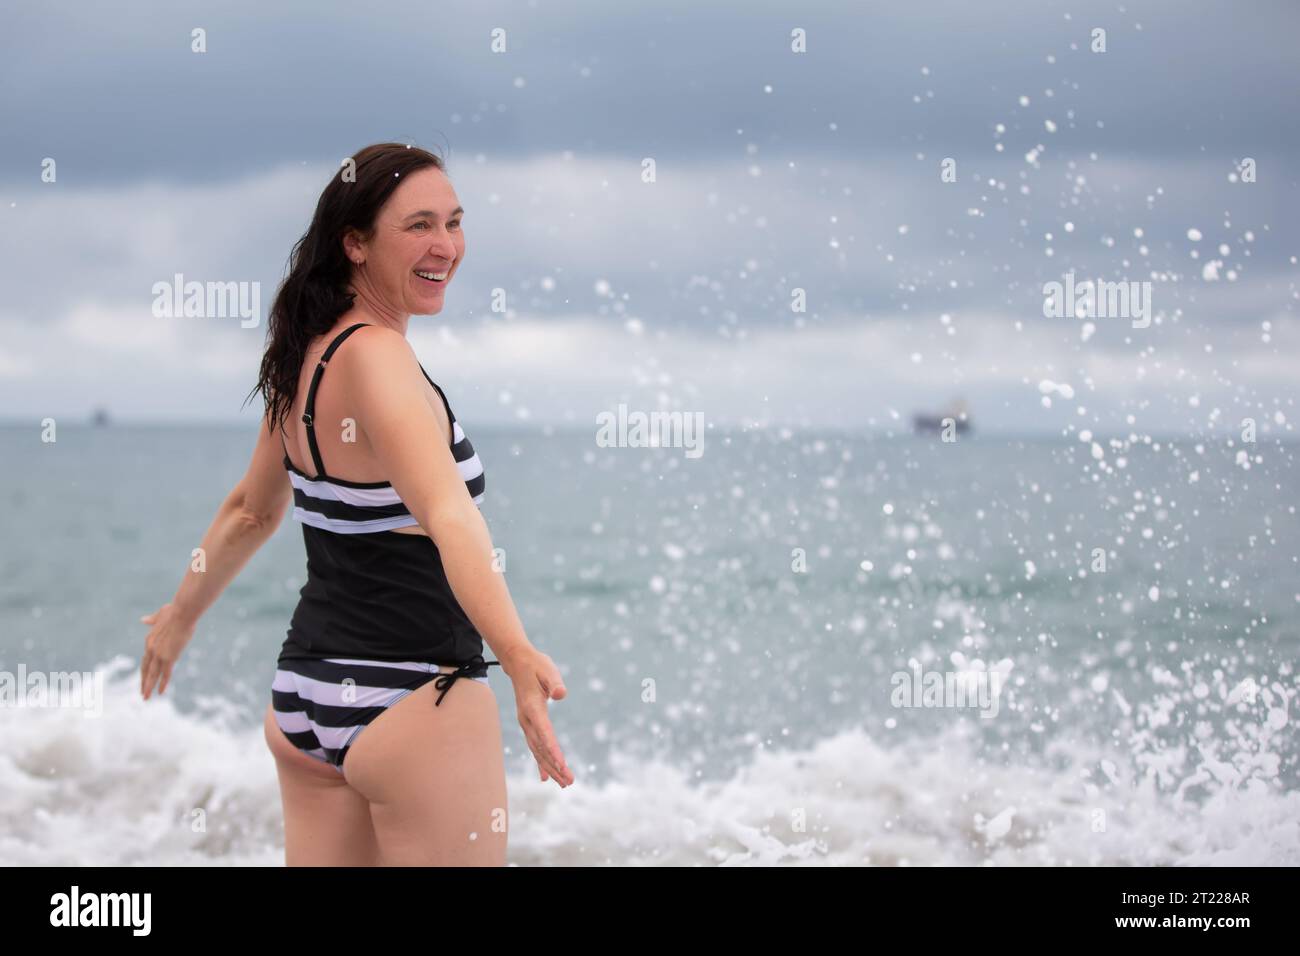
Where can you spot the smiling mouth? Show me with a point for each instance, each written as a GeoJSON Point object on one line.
{"type": "Point", "coordinates": [433, 278]}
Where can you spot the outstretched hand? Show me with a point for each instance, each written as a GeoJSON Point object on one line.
{"type": "Point", "coordinates": [537, 682]}
{"type": "Point", "coordinates": [163, 644]}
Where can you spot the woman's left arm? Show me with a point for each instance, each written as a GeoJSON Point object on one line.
{"type": "Point", "coordinates": [246, 519]}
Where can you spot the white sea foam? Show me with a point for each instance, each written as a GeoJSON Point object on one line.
{"type": "Point", "coordinates": [123, 789]}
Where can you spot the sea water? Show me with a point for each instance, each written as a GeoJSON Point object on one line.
{"type": "Point", "coordinates": [735, 631]}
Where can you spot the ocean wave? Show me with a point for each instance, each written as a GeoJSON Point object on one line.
{"type": "Point", "coordinates": [145, 784]}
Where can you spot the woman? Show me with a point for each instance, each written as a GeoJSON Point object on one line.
{"type": "Point", "coordinates": [379, 762]}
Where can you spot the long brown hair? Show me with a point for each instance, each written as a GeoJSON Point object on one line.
{"type": "Point", "coordinates": [315, 292]}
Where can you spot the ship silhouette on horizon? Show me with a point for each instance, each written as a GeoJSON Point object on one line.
{"type": "Point", "coordinates": [925, 423]}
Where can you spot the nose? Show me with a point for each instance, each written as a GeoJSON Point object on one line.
{"type": "Point", "coordinates": [443, 246]}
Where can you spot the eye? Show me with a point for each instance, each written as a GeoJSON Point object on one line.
{"type": "Point", "coordinates": [454, 222]}
{"type": "Point", "coordinates": [420, 223]}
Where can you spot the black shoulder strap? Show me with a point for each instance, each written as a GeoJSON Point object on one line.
{"type": "Point", "coordinates": [310, 410]}
{"type": "Point", "coordinates": [451, 416]}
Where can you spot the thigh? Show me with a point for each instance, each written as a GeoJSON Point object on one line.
{"type": "Point", "coordinates": [326, 822]}
{"type": "Point", "coordinates": [435, 778]}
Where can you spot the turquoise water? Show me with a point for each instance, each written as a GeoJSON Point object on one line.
{"type": "Point", "coordinates": [1160, 687]}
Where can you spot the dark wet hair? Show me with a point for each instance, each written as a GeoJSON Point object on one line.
{"type": "Point", "coordinates": [315, 292]}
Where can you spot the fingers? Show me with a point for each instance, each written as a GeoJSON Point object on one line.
{"type": "Point", "coordinates": [146, 665]}
{"type": "Point", "coordinates": [537, 725]}
{"type": "Point", "coordinates": [545, 757]}
{"type": "Point", "coordinates": [146, 675]}
{"type": "Point", "coordinates": [153, 667]}
{"type": "Point", "coordinates": [549, 767]}
{"type": "Point", "coordinates": [546, 751]}
{"type": "Point", "coordinates": [553, 683]}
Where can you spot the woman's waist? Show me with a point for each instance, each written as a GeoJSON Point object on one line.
{"type": "Point", "coordinates": [316, 636]}
{"type": "Point", "coordinates": [433, 659]}
{"type": "Point", "coordinates": [390, 595]}
{"type": "Point", "coordinates": [386, 564]}
{"type": "Point", "coordinates": [391, 609]}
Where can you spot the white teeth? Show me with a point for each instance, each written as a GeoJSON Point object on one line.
{"type": "Point", "coordinates": [439, 276]}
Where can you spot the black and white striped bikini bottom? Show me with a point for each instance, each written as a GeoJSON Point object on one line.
{"type": "Point", "coordinates": [321, 705]}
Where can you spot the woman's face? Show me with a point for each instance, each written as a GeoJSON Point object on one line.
{"type": "Point", "coordinates": [416, 231]}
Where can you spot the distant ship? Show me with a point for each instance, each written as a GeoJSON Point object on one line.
{"type": "Point", "coordinates": [924, 423]}
{"type": "Point", "coordinates": [99, 417]}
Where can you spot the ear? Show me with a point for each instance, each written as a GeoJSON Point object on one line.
{"type": "Point", "coordinates": [354, 247]}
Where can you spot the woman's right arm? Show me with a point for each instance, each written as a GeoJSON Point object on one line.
{"type": "Point", "coordinates": [246, 518]}
{"type": "Point", "coordinates": [383, 375]}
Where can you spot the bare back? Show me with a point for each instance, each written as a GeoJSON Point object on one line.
{"type": "Point", "coordinates": [342, 444]}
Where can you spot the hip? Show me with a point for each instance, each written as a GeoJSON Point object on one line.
{"type": "Point", "coordinates": [321, 705]}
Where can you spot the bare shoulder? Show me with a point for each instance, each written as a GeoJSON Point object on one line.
{"type": "Point", "coordinates": [383, 374]}
{"type": "Point", "coordinates": [381, 340]}
{"type": "Point", "coordinates": [377, 355]}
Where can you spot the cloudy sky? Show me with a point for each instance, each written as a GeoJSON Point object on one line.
{"type": "Point", "coordinates": [776, 171]}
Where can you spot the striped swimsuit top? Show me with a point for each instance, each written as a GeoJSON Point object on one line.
{"type": "Point", "coordinates": [361, 507]}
